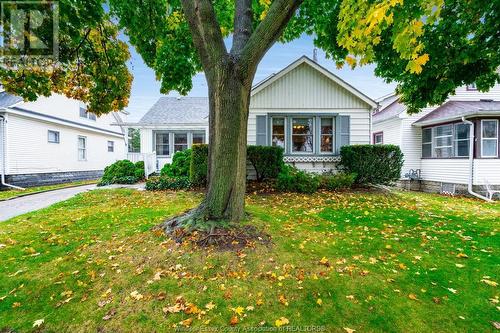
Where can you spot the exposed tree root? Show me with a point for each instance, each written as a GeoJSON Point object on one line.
{"type": "Point", "coordinates": [193, 227]}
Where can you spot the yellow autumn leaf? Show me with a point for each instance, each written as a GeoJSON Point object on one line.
{"type": "Point", "coordinates": [282, 321]}
{"type": "Point", "coordinates": [351, 61]}
{"type": "Point", "coordinates": [238, 310]}
{"type": "Point", "coordinates": [319, 301]}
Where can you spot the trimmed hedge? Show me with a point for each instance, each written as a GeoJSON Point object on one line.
{"type": "Point", "coordinates": [167, 183]}
{"type": "Point", "coordinates": [373, 164]}
{"type": "Point", "coordinates": [266, 160]}
{"type": "Point", "coordinates": [338, 181]}
{"type": "Point", "coordinates": [291, 179]}
{"type": "Point", "coordinates": [120, 172]}
{"type": "Point", "coordinates": [181, 163]}
{"type": "Point", "coordinates": [198, 169]}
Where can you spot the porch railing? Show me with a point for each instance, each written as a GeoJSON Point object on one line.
{"type": "Point", "coordinates": [149, 161]}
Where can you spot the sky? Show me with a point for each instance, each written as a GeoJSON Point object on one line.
{"type": "Point", "coordinates": [146, 90]}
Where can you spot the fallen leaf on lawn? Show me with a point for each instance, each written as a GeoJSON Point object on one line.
{"type": "Point", "coordinates": [460, 265]}
{"type": "Point", "coordinates": [38, 323]}
{"type": "Point", "coordinates": [413, 297]}
{"type": "Point", "coordinates": [454, 291]}
{"type": "Point", "coordinates": [324, 261]}
{"type": "Point", "coordinates": [282, 321]}
{"type": "Point", "coordinates": [462, 255]}
{"type": "Point", "coordinates": [136, 295]}
{"type": "Point", "coordinates": [238, 310]}
{"type": "Point", "coordinates": [349, 330]}
{"type": "Point", "coordinates": [109, 314]}
{"type": "Point", "coordinates": [436, 300]}
{"type": "Point", "coordinates": [489, 282]}
{"type": "Point", "coordinates": [259, 302]}
{"type": "Point", "coordinates": [496, 324]}
{"type": "Point", "coordinates": [210, 306]}
{"type": "Point", "coordinates": [234, 320]}
{"type": "Point", "coordinates": [249, 308]}
{"type": "Point", "coordinates": [319, 301]}
{"type": "Point", "coordinates": [16, 305]}
{"type": "Point", "coordinates": [187, 322]}
{"type": "Point", "coordinates": [283, 300]}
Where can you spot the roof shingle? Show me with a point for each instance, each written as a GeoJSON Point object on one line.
{"type": "Point", "coordinates": [177, 110]}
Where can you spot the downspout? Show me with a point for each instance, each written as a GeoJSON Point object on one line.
{"type": "Point", "coordinates": [471, 161]}
{"type": "Point", "coordinates": [2, 150]}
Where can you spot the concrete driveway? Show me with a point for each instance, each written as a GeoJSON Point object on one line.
{"type": "Point", "coordinates": [29, 203]}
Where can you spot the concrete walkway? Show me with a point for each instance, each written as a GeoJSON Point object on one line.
{"type": "Point", "coordinates": [32, 202]}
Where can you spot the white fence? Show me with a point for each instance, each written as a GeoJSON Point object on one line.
{"type": "Point", "coordinates": [149, 161]}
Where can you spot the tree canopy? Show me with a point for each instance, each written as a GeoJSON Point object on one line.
{"type": "Point", "coordinates": [428, 47]}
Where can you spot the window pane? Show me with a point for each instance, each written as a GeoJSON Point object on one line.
{"type": "Point", "coordinates": [92, 116]}
{"type": "Point", "coordinates": [303, 143]}
{"type": "Point", "coordinates": [111, 146]}
{"type": "Point", "coordinates": [462, 148]}
{"type": "Point", "coordinates": [427, 135]}
{"type": "Point", "coordinates": [81, 143]}
{"type": "Point", "coordinates": [302, 126]}
{"type": "Point", "coordinates": [443, 130]}
{"type": "Point", "coordinates": [278, 140]}
{"type": "Point", "coordinates": [378, 138]}
{"type": "Point", "coordinates": [162, 144]}
{"type": "Point", "coordinates": [461, 131]}
{"type": "Point", "coordinates": [327, 143]}
{"type": "Point", "coordinates": [279, 126]}
{"type": "Point", "coordinates": [427, 150]}
{"type": "Point", "coordinates": [198, 138]}
{"type": "Point", "coordinates": [443, 152]}
{"type": "Point", "coordinates": [83, 112]}
{"type": "Point", "coordinates": [180, 138]}
{"type": "Point", "coordinates": [53, 136]}
{"type": "Point", "coordinates": [326, 125]}
{"type": "Point", "coordinates": [489, 129]}
{"type": "Point", "coordinates": [444, 141]}
{"type": "Point", "coordinates": [489, 147]}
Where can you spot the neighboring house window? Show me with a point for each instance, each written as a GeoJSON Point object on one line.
{"type": "Point", "coordinates": [111, 146]}
{"type": "Point", "coordinates": [461, 140]}
{"type": "Point", "coordinates": [326, 144]}
{"type": "Point", "coordinates": [53, 136]}
{"type": "Point", "coordinates": [162, 143]}
{"type": "Point", "coordinates": [180, 142]}
{"type": "Point", "coordinates": [88, 115]}
{"type": "Point", "coordinates": [278, 132]}
{"type": "Point", "coordinates": [378, 138]}
{"type": "Point", "coordinates": [443, 141]}
{"type": "Point", "coordinates": [82, 148]}
{"type": "Point", "coordinates": [198, 137]}
{"type": "Point", "coordinates": [489, 138]}
{"type": "Point", "coordinates": [302, 135]}
{"type": "Point", "coordinates": [427, 142]}
{"type": "Point", "coordinates": [471, 87]}
{"type": "Point", "coordinates": [446, 141]}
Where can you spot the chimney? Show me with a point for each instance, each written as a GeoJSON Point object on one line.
{"type": "Point", "coordinates": [315, 55]}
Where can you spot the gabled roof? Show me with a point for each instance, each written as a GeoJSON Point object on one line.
{"type": "Point", "coordinates": [390, 107]}
{"type": "Point", "coordinates": [8, 100]}
{"type": "Point", "coordinates": [455, 110]}
{"type": "Point", "coordinates": [177, 110]}
{"type": "Point", "coordinates": [305, 60]}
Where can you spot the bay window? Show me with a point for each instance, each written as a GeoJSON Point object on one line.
{"type": "Point", "coordinates": [446, 141]}
{"type": "Point", "coordinates": [443, 141]}
{"type": "Point", "coordinates": [461, 140]}
{"type": "Point", "coordinates": [302, 135]}
{"type": "Point", "coordinates": [489, 138]}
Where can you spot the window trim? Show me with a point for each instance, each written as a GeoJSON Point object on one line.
{"type": "Point", "coordinates": [491, 139]}
{"type": "Point", "coordinates": [112, 146]}
{"type": "Point", "coordinates": [84, 149]}
{"type": "Point", "coordinates": [163, 144]}
{"type": "Point", "coordinates": [58, 136]}
{"type": "Point", "coordinates": [381, 133]}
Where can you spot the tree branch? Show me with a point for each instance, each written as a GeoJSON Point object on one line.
{"type": "Point", "coordinates": [243, 16]}
{"type": "Point", "coordinates": [205, 31]}
{"type": "Point", "coordinates": [267, 33]}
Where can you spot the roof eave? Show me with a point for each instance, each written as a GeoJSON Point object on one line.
{"type": "Point", "coordinates": [455, 118]}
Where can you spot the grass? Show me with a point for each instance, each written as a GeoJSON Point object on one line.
{"type": "Point", "coordinates": [363, 261]}
{"type": "Point", "coordinates": [12, 193]}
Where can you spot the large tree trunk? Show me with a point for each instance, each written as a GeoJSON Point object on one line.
{"type": "Point", "coordinates": [229, 104]}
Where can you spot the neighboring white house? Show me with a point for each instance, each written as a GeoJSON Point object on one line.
{"type": "Point", "coordinates": [55, 140]}
{"type": "Point", "coordinates": [304, 108]}
{"type": "Point", "coordinates": [436, 142]}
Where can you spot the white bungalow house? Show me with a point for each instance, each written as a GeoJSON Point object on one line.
{"type": "Point", "coordinates": [441, 152]}
{"type": "Point", "coordinates": [55, 139]}
{"type": "Point", "coordinates": [304, 108]}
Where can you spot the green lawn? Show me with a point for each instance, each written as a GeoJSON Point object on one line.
{"type": "Point", "coordinates": [354, 261]}
{"type": "Point", "coordinates": [12, 193]}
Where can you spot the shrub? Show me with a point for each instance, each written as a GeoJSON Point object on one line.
{"type": "Point", "coordinates": [139, 170]}
{"type": "Point", "coordinates": [373, 164]}
{"type": "Point", "coordinates": [267, 161]}
{"type": "Point", "coordinates": [120, 172]}
{"type": "Point", "coordinates": [167, 183]}
{"type": "Point", "coordinates": [291, 179]}
{"type": "Point", "coordinates": [180, 165]}
{"type": "Point", "coordinates": [338, 181]}
{"type": "Point", "coordinates": [199, 165]}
